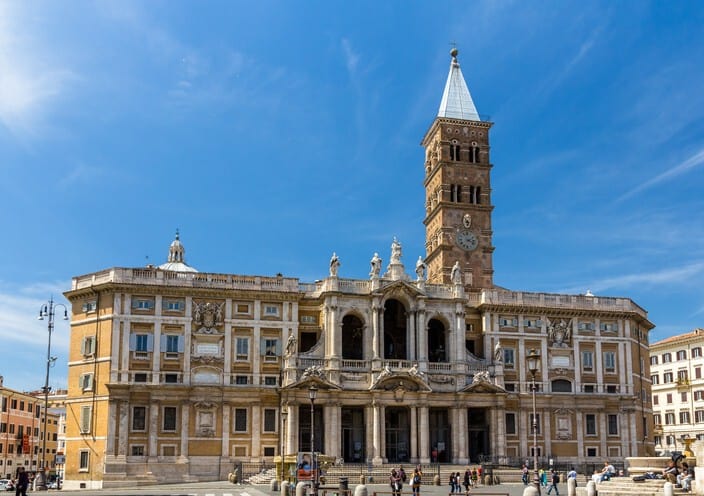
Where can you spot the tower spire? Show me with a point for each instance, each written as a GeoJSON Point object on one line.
{"type": "Point", "coordinates": [456, 101]}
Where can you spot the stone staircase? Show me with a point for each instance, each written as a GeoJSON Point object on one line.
{"type": "Point", "coordinates": [625, 486]}
{"type": "Point", "coordinates": [263, 477]}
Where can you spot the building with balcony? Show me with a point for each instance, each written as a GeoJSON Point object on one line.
{"type": "Point", "coordinates": [676, 365]}
{"type": "Point", "coordinates": [176, 374]}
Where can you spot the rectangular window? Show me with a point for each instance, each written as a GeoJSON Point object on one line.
{"type": "Point", "coordinates": [308, 319]}
{"type": "Point", "coordinates": [666, 358]}
{"type": "Point", "coordinates": [139, 418]}
{"type": "Point", "coordinates": [510, 423]}
{"type": "Point", "coordinates": [83, 456]}
{"type": "Point", "coordinates": [657, 420]}
{"type": "Point", "coordinates": [585, 326]}
{"type": "Point", "coordinates": [86, 382]}
{"type": "Point", "coordinates": [696, 352]}
{"type": "Point", "coordinates": [137, 450]}
{"type": "Point", "coordinates": [608, 326]}
{"type": "Point", "coordinates": [609, 361]}
{"type": "Point", "coordinates": [270, 380]}
{"type": "Point", "coordinates": [654, 360]}
{"type": "Point", "coordinates": [242, 345]}
{"type": "Point", "coordinates": [697, 372]}
{"type": "Point", "coordinates": [612, 388]}
{"type": "Point", "coordinates": [171, 378]}
{"type": "Point", "coordinates": [698, 395]}
{"type": "Point", "coordinates": [269, 451]}
{"type": "Point", "coordinates": [532, 323]}
{"type": "Point", "coordinates": [588, 388]}
{"type": "Point", "coordinates": [169, 418]}
{"type": "Point", "coordinates": [240, 420]}
{"type": "Point", "coordinates": [270, 350]}
{"type": "Point", "coordinates": [172, 343]}
{"type": "Point", "coordinates": [88, 346]}
{"type": "Point", "coordinates": [590, 424]}
{"type": "Point", "coordinates": [173, 305]}
{"type": "Point", "coordinates": [683, 396]}
{"type": "Point", "coordinates": [612, 424]}
{"type": "Point", "coordinates": [86, 414]}
{"type": "Point", "coordinates": [271, 310]}
{"type": "Point", "coordinates": [89, 306]}
{"type": "Point", "coordinates": [241, 379]}
{"type": "Point", "coordinates": [269, 420]}
{"type": "Point", "coordinates": [509, 358]}
{"type": "Point", "coordinates": [684, 417]}
{"type": "Point", "coordinates": [682, 355]}
{"type": "Point", "coordinates": [140, 377]}
{"type": "Point", "coordinates": [699, 416]}
{"type": "Point", "coordinates": [141, 342]}
{"type": "Point", "coordinates": [656, 399]}
{"type": "Point", "coordinates": [669, 418]}
{"type": "Point", "coordinates": [242, 308]}
{"type": "Point", "coordinates": [141, 304]}
{"type": "Point", "coordinates": [508, 322]}
{"type": "Point", "coordinates": [587, 360]}
{"type": "Point", "coordinates": [655, 379]}
{"type": "Point", "coordinates": [668, 397]}
{"type": "Point", "coordinates": [667, 378]}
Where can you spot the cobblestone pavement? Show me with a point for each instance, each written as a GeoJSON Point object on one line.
{"type": "Point", "coordinates": [223, 488]}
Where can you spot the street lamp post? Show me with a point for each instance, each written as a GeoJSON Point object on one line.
{"type": "Point", "coordinates": [533, 366]}
{"type": "Point", "coordinates": [312, 393]}
{"type": "Point", "coordinates": [47, 310]}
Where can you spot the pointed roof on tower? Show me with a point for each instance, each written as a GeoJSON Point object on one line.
{"type": "Point", "coordinates": [456, 101]}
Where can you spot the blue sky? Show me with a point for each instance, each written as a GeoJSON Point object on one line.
{"type": "Point", "coordinates": [274, 133]}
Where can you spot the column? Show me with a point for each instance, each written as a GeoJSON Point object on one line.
{"type": "Point", "coordinates": [292, 429]}
{"type": "Point", "coordinates": [598, 364]}
{"type": "Point", "coordinates": [577, 365]}
{"type": "Point", "coordinates": [424, 435]}
{"type": "Point", "coordinates": [256, 354]}
{"type": "Point", "coordinates": [627, 359]}
{"type": "Point", "coordinates": [422, 337]}
{"type": "Point", "coordinates": [185, 418]}
{"type": "Point", "coordinates": [335, 346]}
{"type": "Point", "coordinates": [156, 355]}
{"type": "Point", "coordinates": [602, 430]}
{"type": "Point", "coordinates": [412, 335]}
{"type": "Point", "coordinates": [579, 426]}
{"type": "Point", "coordinates": [154, 408]}
{"type": "Point", "coordinates": [115, 343]}
{"type": "Point", "coordinates": [627, 428]}
{"type": "Point", "coordinates": [459, 433]}
{"type": "Point", "coordinates": [226, 430]}
{"type": "Point", "coordinates": [498, 432]}
{"type": "Point", "coordinates": [112, 422]}
{"type": "Point", "coordinates": [125, 359]}
{"type": "Point", "coordinates": [414, 434]}
{"type": "Point", "coordinates": [124, 428]}
{"type": "Point", "coordinates": [546, 430]}
{"type": "Point", "coordinates": [459, 333]}
{"type": "Point", "coordinates": [375, 328]}
{"type": "Point", "coordinates": [376, 433]}
{"type": "Point", "coordinates": [186, 379]}
{"type": "Point", "coordinates": [256, 431]}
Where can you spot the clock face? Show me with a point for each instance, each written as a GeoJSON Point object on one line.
{"type": "Point", "coordinates": [467, 240]}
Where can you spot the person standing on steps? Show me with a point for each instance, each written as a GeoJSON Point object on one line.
{"type": "Point", "coordinates": [555, 479]}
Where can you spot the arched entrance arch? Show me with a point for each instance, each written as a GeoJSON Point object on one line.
{"type": "Point", "coordinates": [437, 337]}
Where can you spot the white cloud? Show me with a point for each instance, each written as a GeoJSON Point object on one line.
{"type": "Point", "coordinates": [351, 57]}
{"type": "Point", "coordinates": [675, 275]}
{"type": "Point", "coordinates": [694, 161]}
{"type": "Point", "coordinates": [31, 77]}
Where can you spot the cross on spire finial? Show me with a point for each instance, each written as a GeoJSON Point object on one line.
{"type": "Point", "coordinates": [454, 51]}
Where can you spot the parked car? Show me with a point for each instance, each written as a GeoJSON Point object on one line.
{"type": "Point", "coordinates": [6, 485]}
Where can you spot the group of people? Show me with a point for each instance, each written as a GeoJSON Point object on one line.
{"type": "Point", "coordinates": [605, 473]}
{"type": "Point", "coordinates": [553, 475]}
{"type": "Point", "coordinates": [681, 478]}
{"type": "Point", "coordinates": [398, 478]}
{"type": "Point", "coordinates": [472, 477]}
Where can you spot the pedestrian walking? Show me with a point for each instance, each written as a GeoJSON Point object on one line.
{"type": "Point", "coordinates": [22, 482]}
{"type": "Point", "coordinates": [416, 481]}
{"type": "Point", "coordinates": [555, 480]}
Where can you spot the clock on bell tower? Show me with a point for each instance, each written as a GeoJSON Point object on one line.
{"type": "Point", "coordinates": [458, 188]}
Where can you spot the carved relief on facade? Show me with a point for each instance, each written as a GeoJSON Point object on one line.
{"type": "Point", "coordinates": [207, 316]}
{"type": "Point", "coordinates": [559, 333]}
{"type": "Point", "coordinates": [563, 423]}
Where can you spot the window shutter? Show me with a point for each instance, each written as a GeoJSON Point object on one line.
{"type": "Point", "coordinates": [278, 347]}
{"type": "Point", "coordinates": [262, 346]}
{"type": "Point", "coordinates": [181, 344]}
{"type": "Point", "coordinates": [91, 345]}
{"type": "Point", "coordinates": [150, 342]}
{"type": "Point", "coordinates": [133, 341]}
{"type": "Point", "coordinates": [84, 344]}
{"type": "Point", "coordinates": [162, 342]}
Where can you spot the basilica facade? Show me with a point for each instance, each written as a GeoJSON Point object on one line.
{"type": "Point", "coordinates": [176, 374]}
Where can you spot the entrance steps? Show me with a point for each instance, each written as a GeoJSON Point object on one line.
{"type": "Point", "coordinates": [625, 486]}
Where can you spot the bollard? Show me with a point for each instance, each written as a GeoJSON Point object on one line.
{"type": "Point", "coordinates": [273, 485]}
{"type": "Point", "coordinates": [591, 488]}
{"type": "Point", "coordinates": [668, 489]}
{"type": "Point", "coordinates": [360, 490]}
{"type": "Point", "coordinates": [436, 480]}
{"type": "Point", "coordinates": [301, 488]}
{"type": "Point", "coordinates": [571, 487]}
{"type": "Point", "coordinates": [361, 479]}
{"type": "Point", "coordinates": [531, 490]}
{"type": "Point", "coordinates": [487, 480]}
{"type": "Point", "coordinates": [285, 488]}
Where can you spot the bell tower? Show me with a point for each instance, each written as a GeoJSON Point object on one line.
{"type": "Point", "coordinates": [458, 189]}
